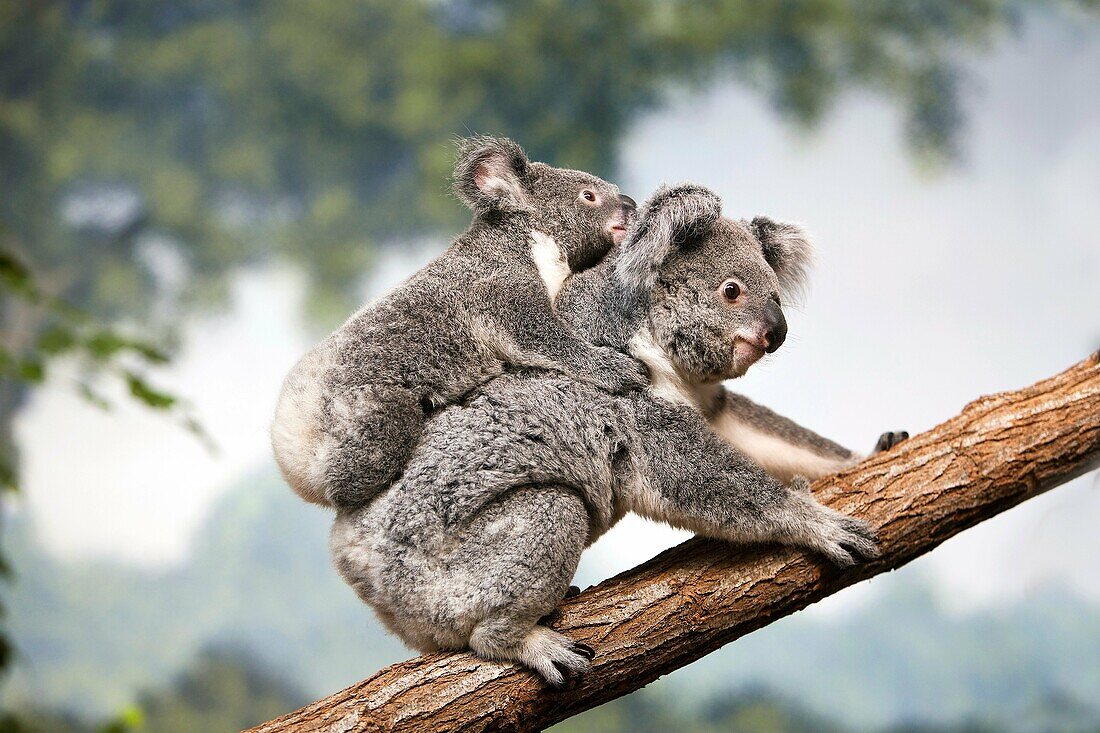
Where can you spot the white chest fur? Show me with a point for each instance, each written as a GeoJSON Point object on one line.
{"type": "Point", "coordinates": [550, 262]}
{"type": "Point", "coordinates": [775, 455]}
{"type": "Point", "coordinates": [665, 380]}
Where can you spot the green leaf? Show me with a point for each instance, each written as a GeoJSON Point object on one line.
{"type": "Point", "coordinates": [150, 353]}
{"type": "Point", "coordinates": [141, 390]}
{"type": "Point", "coordinates": [8, 472]}
{"type": "Point", "coordinates": [15, 275]}
{"type": "Point", "coordinates": [105, 344]}
{"type": "Point", "coordinates": [56, 339]}
{"type": "Point", "coordinates": [32, 370]}
{"type": "Point", "coordinates": [193, 426]}
{"type": "Point", "coordinates": [128, 720]}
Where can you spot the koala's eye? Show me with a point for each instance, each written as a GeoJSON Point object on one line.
{"type": "Point", "coordinates": [730, 290]}
{"type": "Point", "coordinates": [589, 196]}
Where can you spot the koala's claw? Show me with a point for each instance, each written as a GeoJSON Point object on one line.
{"type": "Point", "coordinates": [565, 680]}
{"type": "Point", "coordinates": [572, 591]}
{"type": "Point", "coordinates": [888, 440]}
{"type": "Point", "coordinates": [584, 650]}
{"type": "Point", "coordinates": [571, 676]}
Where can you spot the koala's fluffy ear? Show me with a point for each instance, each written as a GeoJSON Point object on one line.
{"type": "Point", "coordinates": [671, 217]}
{"type": "Point", "coordinates": [787, 249]}
{"type": "Point", "coordinates": [491, 175]}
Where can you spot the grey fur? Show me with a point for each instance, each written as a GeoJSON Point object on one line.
{"type": "Point", "coordinates": [352, 410]}
{"type": "Point", "coordinates": [787, 249]}
{"type": "Point", "coordinates": [480, 536]}
{"type": "Point", "coordinates": [670, 217]}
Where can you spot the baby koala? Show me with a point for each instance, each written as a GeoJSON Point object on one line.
{"type": "Point", "coordinates": [352, 409]}
{"type": "Point", "coordinates": [480, 537]}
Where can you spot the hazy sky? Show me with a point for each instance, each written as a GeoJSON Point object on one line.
{"type": "Point", "coordinates": [930, 291]}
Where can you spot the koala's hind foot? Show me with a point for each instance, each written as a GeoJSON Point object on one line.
{"type": "Point", "coordinates": [556, 657]}
{"type": "Point", "coordinates": [370, 435]}
{"type": "Point", "coordinates": [888, 440]}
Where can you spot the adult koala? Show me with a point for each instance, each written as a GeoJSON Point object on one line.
{"type": "Point", "coordinates": [480, 537]}
{"type": "Point", "coordinates": [352, 409]}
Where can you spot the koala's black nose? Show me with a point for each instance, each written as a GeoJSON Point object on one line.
{"type": "Point", "coordinates": [628, 203]}
{"type": "Point", "coordinates": [777, 326]}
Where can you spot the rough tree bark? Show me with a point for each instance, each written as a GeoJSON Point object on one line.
{"type": "Point", "coordinates": [696, 597]}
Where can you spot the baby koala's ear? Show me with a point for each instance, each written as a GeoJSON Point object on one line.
{"type": "Point", "coordinates": [787, 248]}
{"type": "Point", "coordinates": [672, 217]}
{"type": "Point", "coordinates": [491, 175]}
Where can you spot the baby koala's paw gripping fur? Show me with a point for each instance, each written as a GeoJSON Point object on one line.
{"type": "Point", "coordinates": [619, 373]}
{"type": "Point", "coordinates": [844, 540]}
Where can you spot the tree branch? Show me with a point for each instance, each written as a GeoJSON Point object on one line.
{"type": "Point", "coordinates": [696, 597]}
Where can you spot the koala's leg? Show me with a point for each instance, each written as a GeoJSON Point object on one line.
{"type": "Point", "coordinates": [692, 479]}
{"type": "Point", "coordinates": [780, 446]}
{"type": "Point", "coordinates": [482, 584]}
{"type": "Point", "coordinates": [523, 551]}
{"type": "Point", "coordinates": [783, 447]}
{"type": "Point", "coordinates": [369, 434]}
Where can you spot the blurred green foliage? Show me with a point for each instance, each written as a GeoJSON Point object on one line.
{"type": "Point", "coordinates": [318, 131]}
{"type": "Point", "coordinates": [221, 690]}
{"type": "Point", "coordinates": [62, 331]}
{"type": "Point", "coordinates": [39, 330]}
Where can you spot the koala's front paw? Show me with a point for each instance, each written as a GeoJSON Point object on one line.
{"type": "Point", "coordinates": [619, 373]}
{"type": "Point", "coordinates": [888, 440]}
{"type": "Point", "coordinates": [844, 540]}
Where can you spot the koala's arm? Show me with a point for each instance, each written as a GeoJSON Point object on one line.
{"type": "Point", "coordinates": [781, 446]}
{"type": "Point", "coordinates": [689, 477]}
{"type": "Point", "coordinates": [526, 318]}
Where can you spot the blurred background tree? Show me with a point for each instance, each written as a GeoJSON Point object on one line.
{"type": "Point", "coordinates": [147, 146]}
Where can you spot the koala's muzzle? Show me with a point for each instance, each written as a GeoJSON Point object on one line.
{"type": "Point", "coordinates": [775, 329]}
{"type": "Point", "coordinates": [623, 218]}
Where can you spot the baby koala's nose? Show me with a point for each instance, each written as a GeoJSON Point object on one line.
{"type": "Point", "coordinates": [629, 204]}
{"type": "Point", "coordinates": [776, 328]}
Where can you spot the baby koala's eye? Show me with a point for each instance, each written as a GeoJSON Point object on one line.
{"type": "Point", "coordinates": [730, 290]}
{"type": "Point", "coordinates": [589, 196]}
